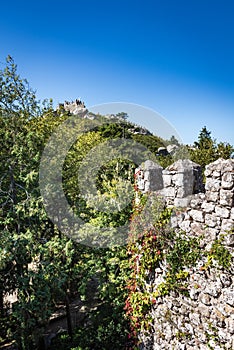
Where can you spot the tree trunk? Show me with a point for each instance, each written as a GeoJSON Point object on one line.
{"type": "Point", "coordinates": [68, 315]}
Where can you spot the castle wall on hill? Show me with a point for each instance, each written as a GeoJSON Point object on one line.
{"type": "Point", "coordinates": [203, 319]}
{"type": "Point", "coordinates": [209, 207]}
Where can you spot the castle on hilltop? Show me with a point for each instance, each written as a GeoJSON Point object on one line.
{"type": "Point", "coordinates": [74, 107]}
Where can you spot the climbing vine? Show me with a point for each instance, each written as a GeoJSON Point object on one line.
{"type": "Point", "coordinates": [154, 247]}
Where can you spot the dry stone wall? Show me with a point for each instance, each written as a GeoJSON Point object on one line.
{"type": "Point", "coordinates": [204, 318]}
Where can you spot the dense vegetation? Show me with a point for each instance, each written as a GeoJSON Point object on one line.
{"type": "Point", "coordinates": [37, 261]}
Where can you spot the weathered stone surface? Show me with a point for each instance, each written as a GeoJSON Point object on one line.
{"type": "Point", "coordinates": [227, 166]}
{"type": "Point", "coordinates": [197, 200]}
{"type": "Point", "coordinates": [208, 207]}
{"type": "Point", "coordinates": [230, 325]}
{"type": "Point", "coordinates": [226, 197]}
{"type": "Point", "coordinates": [211, 234]}
{"type": "Point", "coordinates": [182, 202]}
{"type": "Point", "coordinates": [149, 176]}
{"type": "Point", "coordinates": [222, 212]}
{"type": "Point", "coordinates": [229, 238]}
{"type": "Point", "coordinates": [232, 214]}
{"type": "Point", "coordinates": [212, 220]}
{"type": "Point", "coordinates": [197, 215]}
{"type": "Point", "coordinates": [227, 181]}
{"type": "Point", "coordinates": [212, 196]}
{"type": "Point", "coordinates": [203, 310]}
{"type": "Point", "coordinates": [226, 280]}
{"type": "Point", "coordinates": [212, 185]}
{"type": "Point", "coordinates": [215, 166]}
{"type": "Point", "coordinates": [205, 318]}
{"type": "Point", "coordinates": [185, 225]}
{"type": "Point", "coordinates": [167, 180]}
{"type": "Point", "coordinates": [205, 299]}
{"type": "Point", "coordinates": [197, 228]}
{"type": "Point", "coordinates": [214, 289]}
{"type": "Point", "coordinates": [169, 192]}
{"type": "Point", "coordinates": [227, 225]}
{"type": "Point", "coordinates": [228, 297]}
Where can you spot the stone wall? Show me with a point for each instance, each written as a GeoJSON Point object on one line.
{"type": "Point", "coordinates": [204, 319]}
{"type": "Point", "coordinates": [209, 207]}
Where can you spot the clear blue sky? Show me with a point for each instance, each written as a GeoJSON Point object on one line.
{"type": "Point", "coordinates": [176, 57]}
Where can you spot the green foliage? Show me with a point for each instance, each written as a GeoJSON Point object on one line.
{"type": "Point", "coordinates": [206, 150]}
{"type": "Point", "coordinates": [152, 142]}
{"type": "Point", "coordinates": [151, 245]}
{"type": "Point", "coordinates": [146, 251]}
{"type": "Point", "coordinates": [220, 254]}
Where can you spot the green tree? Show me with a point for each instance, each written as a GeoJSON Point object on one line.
{"type": "Point", "coordinates": [31, 264]}
{"type": "Point", "coordinates": [207, 150]}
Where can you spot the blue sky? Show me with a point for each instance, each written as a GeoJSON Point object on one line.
{"type": "Point", "coordinates": [175, 57]}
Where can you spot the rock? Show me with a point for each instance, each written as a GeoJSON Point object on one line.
{"type": "Point", "coordinates": [169, 192]}
{"type": "Point", "coordinates": [225, 280]}
{"type": "Point", "coordinates": [197, 215]}
{"type": "Point", "coordinates": [226, 197]}
{"type": "Point", "coordinates": [232, 214]}
{"type": "Point", "coordinates": [197, 228]}
{"type": "Point", "coordinates": [167, 180]}
{"type": "Point", "coordinates": [230, 325]}
{"type": "Point", "coordinates": [195, 318]}
{"type": "Point", "coordinates": [212, 220]}
{"type": "Point", "coordinates": [208, 207]}
{"type": "Point", "coordinates": [211, 234]}
{"type": "Point", "coordinates": [227, 166]}
{"type": "Point", "coordinates": [228, 297]}
{"type": "Point", "coordinates": [222, 212]}
{"type": "Point", "coordinates": [212, 185]}
{"type": "Point", "coordinates": [227, 225]}
{"type": "Point", "coordinates": [212, 196]}
{"type": "Point", "coordinates": [227, 181]}
{"type": "Point", "coordinates": [205, 299]}
{"type": "Point", "coordinates": [204, 310]}
{"type": "Point", "coordinates": [182, 202]}
{"type": "Point", "coordinates": [214, 289]}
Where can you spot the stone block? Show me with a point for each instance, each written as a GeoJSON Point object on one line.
{"type": "Point", "coordinates": [212, 220]}
{"type": "Point", "coordinates": [208, 207]}
{"type": "Point", "coordinates": [197, 228]}
{"type": "Point", "coordinates": [212, 196]}
{"type": "Point", "coordinates": [226, 280]}
{"type": "Point", "coordinates": [151, 174]}
{"type": "Point", "coordinates": [228, 297]}
{"type": "Point", "coordinates": [195, 318]}
{"type": "Point", "coordinates": [226, 197]}
{"type": "Point", "coordinates": [196, 201]}
{"type": "Point", "coordinates": [227, 166]}
{"type": "Point", "coordinates": [169, 192]}
{"type": "Point", "coordinates": [215, 166]}
{"type": "Point", "coordinates": [197, 215]}
{"type": "Point", "coordinates": [185, 225]}
{"type": "Point", "coordinates": [227, 225]}
{"type": "Point", "coordinates": [232, 214]}
{"type": "Point", "coordinates": [214, 289]}
{"type": "Point", "coordinates": [227, 181]}
{"type": "Point", "coordinates": [205, 299]}
{"type": "Point", "coordinates": [229, 239]}
{"type": "Point", "coordinates": [216, 174]}
{"type": "Point", "coordinates": [204, 310]}
{"type": "Point", "coordinates": [212, 185]}
{"type": "Point", "coordinates": [211, 234]}
{"type": "Point", "coordinates": [230, 325]}
{"type": "Point", "coordinates": [222, 212]}
{"type": "Point", "coordinates": [167, 180]}
{"type": "Point", "coordinates": [182, 202]}
{"type": "Point", "coordinates": [178, 180]}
